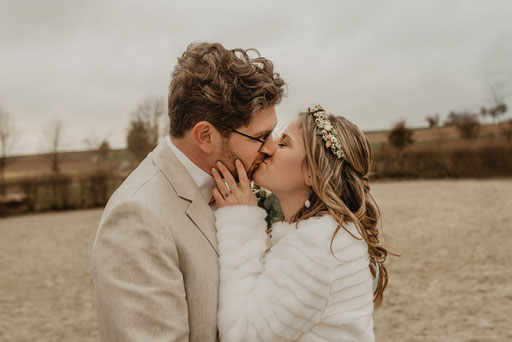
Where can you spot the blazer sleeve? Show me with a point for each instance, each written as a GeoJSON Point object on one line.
{"type": "Point", "coordinates": [277, 298]}
{"type": "Point", "coordinates": [138, 286]}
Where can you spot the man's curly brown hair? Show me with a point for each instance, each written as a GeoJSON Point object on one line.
{"type": "Point", "coordinates": [224, 87]}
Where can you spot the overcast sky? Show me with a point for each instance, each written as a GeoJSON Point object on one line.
{"type": "Point", "coordinates": [89, 63]}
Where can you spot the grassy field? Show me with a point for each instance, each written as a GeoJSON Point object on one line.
{"type": "Point", "coordinates": [451, 283]}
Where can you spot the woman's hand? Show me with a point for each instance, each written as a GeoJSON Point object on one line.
{"type": "Point", "coordinates": [228, 193]}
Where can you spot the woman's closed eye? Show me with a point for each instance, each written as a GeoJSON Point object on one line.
{"type": "Point", "coordinates": [285, 141]}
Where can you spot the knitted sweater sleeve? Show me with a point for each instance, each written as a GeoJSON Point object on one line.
{"type": "Point", "coordinates": [273, 298]}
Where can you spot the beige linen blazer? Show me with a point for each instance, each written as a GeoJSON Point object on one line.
{"type": "Point", "coordinates": [155, 266]}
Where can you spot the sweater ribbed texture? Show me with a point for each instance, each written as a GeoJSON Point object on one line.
{"type": "Point", "coordinates": [296, 292]}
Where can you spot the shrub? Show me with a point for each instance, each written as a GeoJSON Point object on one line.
{"type": "Point", "coordinates": [467, 124]}
{"type": "Point", "coordinates": [507, 131]}
{"type": "Point", "coordinates": [432, 120]}
{"type": "Point", "coordinates": [96, 188]}
{"type": "Point", "coordinates": [64, 192]}
{"type": "Point", "coordinates": [400, 136]}
{"type": "Point", "coordinates": [30, 187]}
{"type": "Point", "coordinates": [426, 164]}
{"type": "Point", "coordinates": [58, 187]}
{"type": "Point", "coordinates": [437, 161]}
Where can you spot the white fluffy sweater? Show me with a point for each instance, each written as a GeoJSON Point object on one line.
{"type": "Point", "coordinates": [296, 292]}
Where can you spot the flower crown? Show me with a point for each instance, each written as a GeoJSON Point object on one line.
{"type": "Point", "coordinates": [325, 129]}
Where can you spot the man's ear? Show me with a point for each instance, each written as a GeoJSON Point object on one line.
{"type": "Point", "coordinates": [203, 133]}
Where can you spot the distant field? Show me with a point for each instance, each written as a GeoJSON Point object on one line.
{"type": "Point", "coordinates": [82, 161]}
{"type": "Point", "coordinates": [449, 135]}
{"type": "Point", "coordinates": [452, 282]}
{"type": "Point", "coordinates": [72, 163]}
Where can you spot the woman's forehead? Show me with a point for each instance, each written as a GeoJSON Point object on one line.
{"type": "Point", "coordinates": [292, 129]}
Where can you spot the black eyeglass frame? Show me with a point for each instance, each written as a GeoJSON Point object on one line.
{"type": "Point", "coordinates": [248, 136]}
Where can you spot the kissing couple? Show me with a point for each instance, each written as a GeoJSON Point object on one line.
{"type": "Point", "coordinates": [182, 251]}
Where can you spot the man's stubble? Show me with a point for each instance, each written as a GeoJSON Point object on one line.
{"type": "Point", "coordinates": [228, 157]}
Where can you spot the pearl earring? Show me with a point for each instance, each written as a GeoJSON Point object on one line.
{"type": "Point", "coordinates": [307, 204]}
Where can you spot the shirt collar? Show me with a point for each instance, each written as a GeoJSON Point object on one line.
{"type": "Point", "coordinates": [203, 180]}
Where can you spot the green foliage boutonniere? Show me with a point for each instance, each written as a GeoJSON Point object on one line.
{"type": "Point", "coordinates": [269, 202]}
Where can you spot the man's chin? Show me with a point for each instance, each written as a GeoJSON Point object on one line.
{"type": "Point", "coordinates": [250, 173]}
{"type": "Point", "coordinates": [253, 170]}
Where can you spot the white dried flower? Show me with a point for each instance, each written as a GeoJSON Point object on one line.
{"type": "Point", "coordinates": [327, 131]}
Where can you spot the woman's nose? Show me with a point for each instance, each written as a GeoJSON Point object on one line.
{"type": "Point", "coordinates": [269, 147]}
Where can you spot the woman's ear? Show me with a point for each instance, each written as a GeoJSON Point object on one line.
{"type": "Point", "coordinates": [309, 180]}
{"type": "Point", "coordinates": [203, 133]}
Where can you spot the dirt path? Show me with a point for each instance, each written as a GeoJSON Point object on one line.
{"type": "Point", "coordinates": [452, 282]}
{"type": "Point", "coordinates": [45, 291]}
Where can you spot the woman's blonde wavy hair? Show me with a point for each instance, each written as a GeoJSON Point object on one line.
{"type": "Point", "coordinates": [341, 188]}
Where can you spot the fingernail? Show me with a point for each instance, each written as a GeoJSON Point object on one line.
{"type": "Point", "coordinates": [213, 170]}
{"type": "Point", "coordinates": [238, 161]}
{"type": "Point", "coordinates": [218, 163]}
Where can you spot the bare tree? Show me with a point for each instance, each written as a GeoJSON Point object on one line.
{"type": "Point", "coordinates": [53, 134]}
{"type": "Point", "coordinates": [9, 136]}
{"type": "Point", "coordinates": [146, 127]}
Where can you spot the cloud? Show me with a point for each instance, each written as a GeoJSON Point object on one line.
{"type": "Point", "coordinates": [89, 63]}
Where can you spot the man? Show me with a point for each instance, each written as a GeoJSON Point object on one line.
{"type": "Point", "coordinates": [155, 258]}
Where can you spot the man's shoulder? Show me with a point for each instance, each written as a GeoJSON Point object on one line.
{"type": "Point", "coordinates": [145, 189]}
{"type": "Point", "coordinates": [146, 183]}
{"type": "Point", "coordinates": [145, 199]}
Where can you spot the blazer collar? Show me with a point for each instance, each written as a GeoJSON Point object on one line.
{"type": "Point", "coordinates": [198, 211]}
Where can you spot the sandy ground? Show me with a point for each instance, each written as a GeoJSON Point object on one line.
{"type": "Point", "coordinates": [453, 281]}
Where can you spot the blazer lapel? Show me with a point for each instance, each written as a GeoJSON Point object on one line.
{"type": "Point", "coordinates": [202, 215]}
{"type": "Point", "coordinates": [198, 211]}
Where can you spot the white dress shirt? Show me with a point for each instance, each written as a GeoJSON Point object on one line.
{"type": "Point", "coordinates": [203, 180]}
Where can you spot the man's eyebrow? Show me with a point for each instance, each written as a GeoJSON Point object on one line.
{"type": "Point", "coordinates": [267, 131]}
{"type": "Point", "coordinates": [263, 133]}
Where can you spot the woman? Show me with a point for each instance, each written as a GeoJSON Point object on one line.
{"type": "Point", "coordinates": [323, 273]}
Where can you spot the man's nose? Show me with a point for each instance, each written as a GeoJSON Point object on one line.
{"type": "Point", "coordinates": [269, 147]}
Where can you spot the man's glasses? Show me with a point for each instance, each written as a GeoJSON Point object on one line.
{"type": "Point", "coordinates": [262, 141]}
